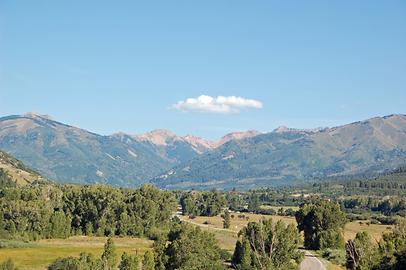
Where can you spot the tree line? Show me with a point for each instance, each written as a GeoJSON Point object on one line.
{"type": "Point", "coordinates": [203, 203]}
{"type": "Point", "coordinates": [52, 211]}
{"type": "Point", "coordinates": [262, 245]}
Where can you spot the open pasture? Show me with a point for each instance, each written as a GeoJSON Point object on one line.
{"type": "Point", "coordinates": [228, 237]}
{"type": "Point", "coordinates": [43, 252]}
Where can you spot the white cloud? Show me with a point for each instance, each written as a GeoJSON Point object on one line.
{"type": "Point", "coordinates": [220, 104]}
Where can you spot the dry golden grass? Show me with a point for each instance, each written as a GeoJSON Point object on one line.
{"type": "Point", "coordinates": [276, 208]}
{"type": "Point", "coordinates": [236, 223]}
{"type": "Point", "coordinates": [46, 251]}
{"type": "Point", "coordinates": [228, 237]}
{"type": "Point", "coordinates": [374, 230]}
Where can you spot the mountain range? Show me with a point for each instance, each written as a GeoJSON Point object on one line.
{"type": "Point", "coordinates": [66, 153]}
{"type": "Point", "coordinates": [248, 159]}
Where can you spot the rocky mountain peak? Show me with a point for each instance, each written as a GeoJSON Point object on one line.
{"type": "Point", "coordinates": [239, 135]}
{"type": "Point", "coordinates": [37, 115]}
{"type": "Point", "coordinates": [158, 136]}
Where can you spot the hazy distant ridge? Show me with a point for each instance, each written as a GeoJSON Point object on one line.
{"type": "Point", "coordinates": [243, 159]}
{"type": "Point", "coordinates": [70, 154]}
{"type": "Point", "coordinates": [287, 154]}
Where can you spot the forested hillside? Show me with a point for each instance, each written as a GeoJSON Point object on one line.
{"type": "Point", "coordinates": [69, 154]}
{"type": "Point", "coordinates": [287, 155]}
{"type": "Point", "coordinates": [241, 160]}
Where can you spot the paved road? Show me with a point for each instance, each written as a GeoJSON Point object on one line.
{"type": "Point", "coordinates": [310, 262]}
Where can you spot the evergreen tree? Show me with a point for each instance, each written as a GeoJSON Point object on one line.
{"type": "Point", "coordinates": [148, 262]}
{"type": "Point", "coordinates": [253, 202]}
{"type": "Point", "coordinates": [124, 224]}
{"type": "Point", "coordinates": [129, 262]}
{"type": "Point", "coordinates": [60, 225]}
{"type": "Point", "coordinates": [89, 229]}
{"type": "Point", "coordinates": [226, 219]}
{"type": "Point", "coordinates": [109, 256]}
{"type": "Point", "coordinates": [87, 262]}
{"type": "Point", "coordinates": [242, 255]}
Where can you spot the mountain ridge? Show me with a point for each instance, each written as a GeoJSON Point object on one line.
{"type": "Point", "coordinates": [371, 145]}
{"type": "Point", "coordinates": [70, 154]}
{"type": "Point", "coordinates": [67, 153]}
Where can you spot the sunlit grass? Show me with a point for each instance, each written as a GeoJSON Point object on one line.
{"type": "Point", "coordinates": [374, 230]}
{"type": "Point", "coordinates": [228, 237]}
{"type": "Point", "coordinates": [45, 251]}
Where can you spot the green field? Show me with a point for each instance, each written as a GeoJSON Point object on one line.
{"type": "Point", "coordinates": [38, 255]}
{"type": "Point", "coordinates": [228, 237]}
{"type": "Point", "coordinates": [43, 252]}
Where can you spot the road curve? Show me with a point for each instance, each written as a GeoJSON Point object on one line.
{"type": "Point", "coordinates": [311, 262]}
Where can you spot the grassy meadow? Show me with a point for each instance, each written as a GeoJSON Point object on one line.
{"type": "Point", "coordinates": [39, 255]}
{"type": "Point", "coordinates": [228, 237]}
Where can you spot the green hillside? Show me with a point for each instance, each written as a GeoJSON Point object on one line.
{"type": "Point", "coordinates": [70, 154]}
{"type": "Point", "coordinates": [281, 157]}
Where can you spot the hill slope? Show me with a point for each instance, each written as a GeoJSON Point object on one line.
{"type": "Point", "coordinates": [286, 154]}
{"type": "Point", "coordinates": [14, 173]}
{"type": "Point", "coordinates": [70, 154]}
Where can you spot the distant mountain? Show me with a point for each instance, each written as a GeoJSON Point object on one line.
{"type": "Point", "coordinates": [236, 136]}
{"type": "Point", "coordinates": [14, 173]}
{"type": "Point", "coordinates": [285, 155]}
{"type": "Point", "coordinates": [166, 138]}
{"type": "Point", "coordinates": [174, 146]}
{"type": "Point", "coordinates": [248, 159]}
{"type": "Point", "coordinates": [66, 153]}
{"type": "Point", "coordinates": [70, 154]}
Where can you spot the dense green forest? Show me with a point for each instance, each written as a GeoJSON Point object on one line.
{"type": "Point", "coordinates": [202, 203]}
{"type": "Point", "coordinates": [49, 211]}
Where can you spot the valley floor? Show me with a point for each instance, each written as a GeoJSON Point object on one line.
{"type": "Point", "coordinates": [39, 255]}
{"type": "Point", "coordinates": [228, 237]}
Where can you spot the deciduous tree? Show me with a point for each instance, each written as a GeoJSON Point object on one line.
{"type": "Point", "coordinates": [322, 223]}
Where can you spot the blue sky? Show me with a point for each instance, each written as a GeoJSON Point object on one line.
{"type": "Point", "coordinates": [110, 66]}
